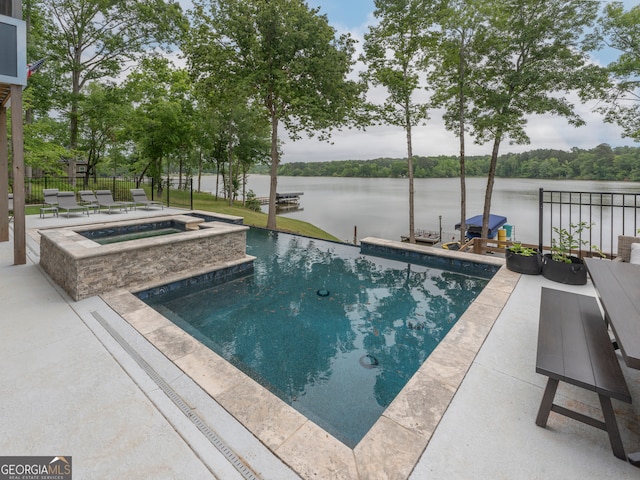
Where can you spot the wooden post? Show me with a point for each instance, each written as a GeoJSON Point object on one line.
{"type": "Point", "coordinates": [4, 176]}
{"type": "Point", "coordinates": [17, 144]}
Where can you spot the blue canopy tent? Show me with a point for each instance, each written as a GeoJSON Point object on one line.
{"type": "Point", "coordinates": [474, 225]}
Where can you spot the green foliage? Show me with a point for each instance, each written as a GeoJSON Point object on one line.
{"type": "Point", "coordinates": [256, 64]}
{"type": "Point", "coordinates": [102, 110]}
{"type": "Point", "coordinates": [93, 40]}
{"type": "Point", "coordinates": [160, 125]}
{"type": "Point", "coordinates": [285, 58]}
{"type": "Point", "coordinates": [527, 55]}
{"type": "Point", "coordinates": [599, 163]}
{"type": "Point", "coordinates": [570, 240]}
{"type": "Point", "coordinates": [518, 249]}
{"type": "Point", "coordinates": [252, 202]}
{"type": "Point", "coordinates": [394, 49]}
{"type": "Point", "coordinates": [621, 31]}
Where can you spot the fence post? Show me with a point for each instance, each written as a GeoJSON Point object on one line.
{"type": "Point", "coordinates": [540, 218]}
{"type": "Point", "coordinates": [191, 195]}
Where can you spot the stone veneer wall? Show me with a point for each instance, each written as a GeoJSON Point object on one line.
{"type": "Point", "coordinates": [84, 268]}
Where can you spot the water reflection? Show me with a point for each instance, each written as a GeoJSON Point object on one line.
{"type": "Point", "coordinates": [334, 333]}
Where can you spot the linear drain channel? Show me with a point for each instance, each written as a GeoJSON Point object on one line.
{"type": "Point", "coordinates": [171, 393]}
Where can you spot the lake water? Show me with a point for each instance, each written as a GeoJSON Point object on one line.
{"type": "Point", "coordinates": [379, 207]}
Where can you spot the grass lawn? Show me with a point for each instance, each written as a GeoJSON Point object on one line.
{"type": "Point", "coordinates": [207, 202]}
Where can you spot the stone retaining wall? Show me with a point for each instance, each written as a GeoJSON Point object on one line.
{"type": "Point", "coordinates": [84, 268]}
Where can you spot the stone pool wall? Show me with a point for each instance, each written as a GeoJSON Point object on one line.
{"type": "Point", "coordinates": [84, 268]}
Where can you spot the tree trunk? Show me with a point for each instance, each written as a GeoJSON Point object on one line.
{"type": "Point", "coordinates": [244, 185]}
{"type": "Point", "coordinates": [273, 188]}
{"type": "Point", "coordinates": [490, 180]}
{"type": "Point", "coordinates": [230, 158]}
{"type": "Point", "coordinates": [412, 230]}
{"type": "Point", "coordinates": [463, 185]}
{"type": "Point", "coordinates": [73, 119]}
{"type": "Point", "coordinates": [217, 177]}
{"type": "Point", "coordinates": [199, 169]}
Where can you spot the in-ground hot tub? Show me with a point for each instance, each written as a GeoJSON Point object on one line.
{"type": "Point", "coordinates": [83, 267]}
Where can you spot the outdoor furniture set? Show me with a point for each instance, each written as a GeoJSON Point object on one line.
{"type": "Point", "coordinates": [54, 201]}
{"type": "Point", "coordinates": [574, 345]}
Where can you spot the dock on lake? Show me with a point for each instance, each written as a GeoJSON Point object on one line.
{"type": "Point", "coordinates": [283, 198]}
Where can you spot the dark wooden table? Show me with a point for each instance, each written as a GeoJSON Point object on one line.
{"type": "Point", "coordinates": [618, 287]}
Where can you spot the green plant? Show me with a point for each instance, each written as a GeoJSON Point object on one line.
{"type": "Point", "coordinates": [570, 240]}
{"type": "Point", "coordinates": [518, 249]}
{"type": "Point", "coordinates": [252, 202]}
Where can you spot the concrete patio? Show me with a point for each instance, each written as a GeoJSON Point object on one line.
{"type": "Point", "coordinates": [78, 380]}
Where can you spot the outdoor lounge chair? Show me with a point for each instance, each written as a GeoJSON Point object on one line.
{"type": "Point", "coordinates": [88, 198]}
{"type": "Point", "coordinates": [140, 198]}
{"type": "Point", "coordinates": [624, 247]}
{"type": "Point", "coordinates": [50, 202]}
{"type": "Point", "coordinates": [50, 197]}
{"type": "Point", "coordinates": [67, 201]}
{"type": "Point", "coordinates": [105, 199]}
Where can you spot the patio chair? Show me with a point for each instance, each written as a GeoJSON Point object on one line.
{"type": "Point", "coordinates": [140, 198]}
{"type": "Point", "coordinates": [88, 198]}
{"type": "Point", "coordinates": [105, 199]}
{"type": "Point", "coordinates": [67, 201]}
{"type": "Point", "coordinates": [50, 196]}
{"type": "Point", "coordinates": [50, 202]}
{"type": "Point", "coordinates": [10, 206]}
{"type": "Point", "coordinates": [624, 247]}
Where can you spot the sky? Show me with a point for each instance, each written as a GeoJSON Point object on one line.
{"type": "Point", "coordinates": [545, 131]}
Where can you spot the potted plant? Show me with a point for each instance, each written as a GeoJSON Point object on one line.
{"type": "Point", "coordinates": [523, 259]}
{"type": "Point", "coordinates": [560, 265]}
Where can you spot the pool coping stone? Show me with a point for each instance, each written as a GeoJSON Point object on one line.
{"type": "Point", "coordinates": [393, 446]}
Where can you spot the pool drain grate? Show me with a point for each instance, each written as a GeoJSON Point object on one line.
{"type": "Point", "coordinates": [184, 408]}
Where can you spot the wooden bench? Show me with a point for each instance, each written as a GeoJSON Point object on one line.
{"type": "Point", "coordinates": [574, 347]}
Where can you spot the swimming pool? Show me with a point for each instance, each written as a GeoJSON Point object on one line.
{"type": "Point", "coordinates": [334, 333]}
{"type": "Point", "coordinates": [133, 231]}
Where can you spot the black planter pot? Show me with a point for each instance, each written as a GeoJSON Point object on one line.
{"type": "Point", "coordinates": [530, 265]}
{"type": "Point", "coordinates": [574, 273]}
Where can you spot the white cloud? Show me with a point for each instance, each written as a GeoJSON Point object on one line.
{"type": "Point", "coordinates": [545, 131]}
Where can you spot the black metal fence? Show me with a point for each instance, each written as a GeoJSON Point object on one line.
{"type": "Point", "coordinates": [609, 215]}
{"type": "Point", "coordinates": [172, 193]}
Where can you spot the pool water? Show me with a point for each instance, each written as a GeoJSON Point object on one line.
{"type": "Point", "coordinates": [122, 233]}
{"type": "Point", "coordinates": [125, 237]}
{"type": "Point", "coordinates": [334, 333]}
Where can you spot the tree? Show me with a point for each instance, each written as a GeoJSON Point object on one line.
{"type": "Point", "coordinates": [532, 54]}
{"type": "Point", "coordinates": [97, 39]}
{"type": "Point", "coordinates": [393, 52]}
{"type": "Point", "coordinates": [622, 32]}
{"type": "Point", "coordinates": [101, 113]}
{"type": "Point", "coordinates": [44, 138]}
{"type": "Point", "coordinates": [161, 124]}
{"type": "Point", "coordinates": [452, 76]}
{"type": "Point", "coordinates": [289, 62]}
